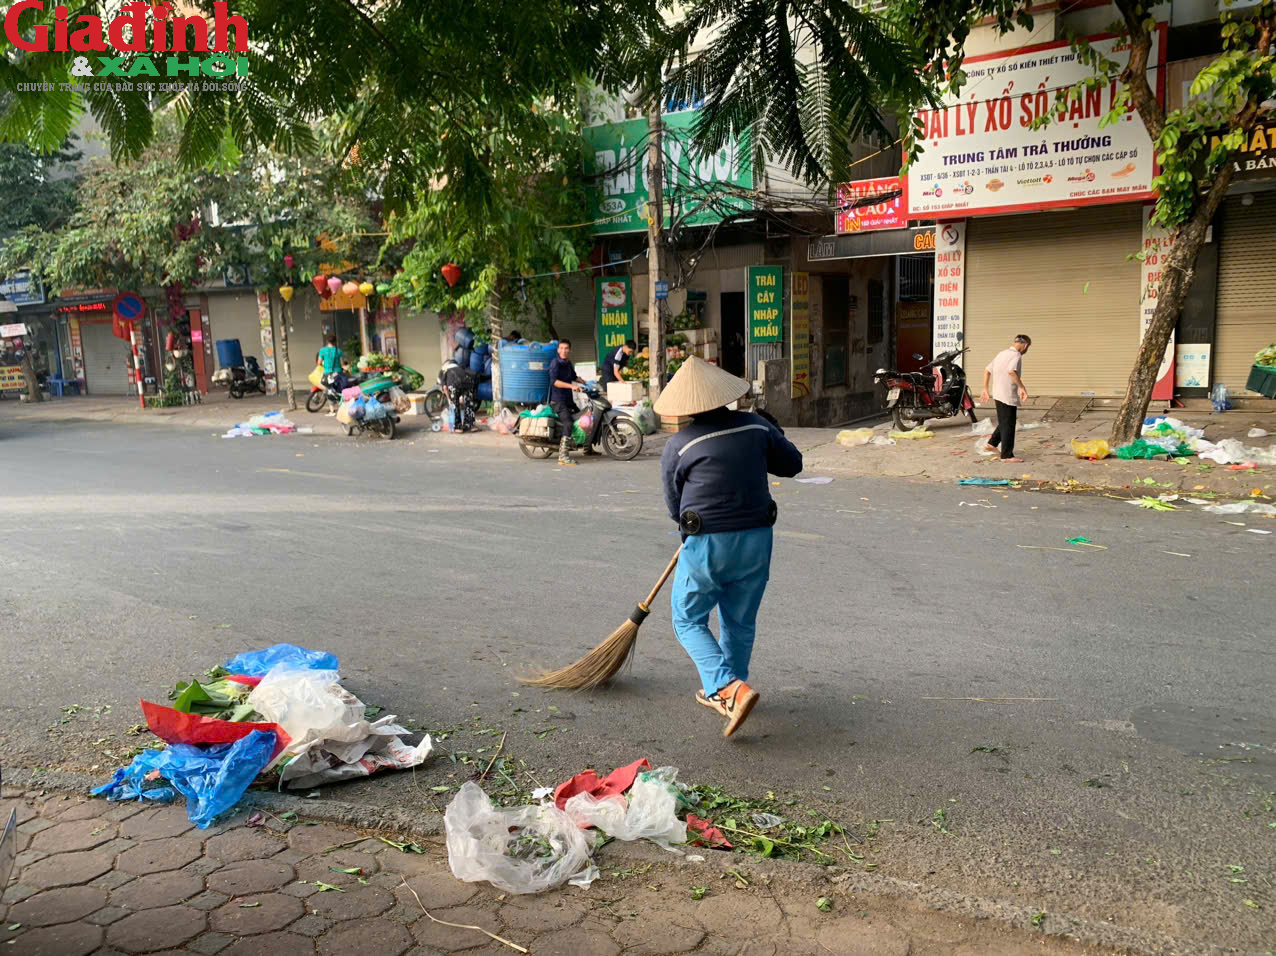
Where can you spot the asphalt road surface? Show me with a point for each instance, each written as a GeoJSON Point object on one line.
{"type": "Point", "coordinates": [1097, 727]}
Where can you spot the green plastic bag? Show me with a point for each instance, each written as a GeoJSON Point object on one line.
{"type": "Point", "coordinates": [1141, 449]}
{"type": "Point", "coordinates": [578, 434]}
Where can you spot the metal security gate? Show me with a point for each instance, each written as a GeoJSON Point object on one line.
{"type": "Point", "coordinates": [106, 360]}
{"type": "Point", "coordinates": [1066, 280]}
{"type": "Point", "coordinates": [1246, 288]}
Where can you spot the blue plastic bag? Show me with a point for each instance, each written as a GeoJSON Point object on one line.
{"type": "Point", "coordinates": [212, 779]}
{"type": "Point", "coordinates": [259, 663]}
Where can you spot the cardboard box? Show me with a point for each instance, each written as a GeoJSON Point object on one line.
{"type": "Point", "coordinates": [711, 352]}
{"type": "Point", "coordinates": [625, 393]}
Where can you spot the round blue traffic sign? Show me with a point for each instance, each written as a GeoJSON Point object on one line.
{"type": "Point", "coordinates": [129, 306]}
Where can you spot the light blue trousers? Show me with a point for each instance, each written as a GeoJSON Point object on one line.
{"type": "Point", "coordinates": [729, 571]}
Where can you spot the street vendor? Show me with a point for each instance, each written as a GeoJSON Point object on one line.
{"type": "Point", "coordinates": [715, 483]}
{"type": "Point", "coordinates": [460, 385]}
{"type": "Point", "coordinates": [614, 365]}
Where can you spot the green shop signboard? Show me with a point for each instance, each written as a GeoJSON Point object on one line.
{"type": "Point", "coordinates": [766, 303]}
{"type": "Point", "coordinates": [616, 158]}
{"type": "Point", "coordinates": [614, 307]}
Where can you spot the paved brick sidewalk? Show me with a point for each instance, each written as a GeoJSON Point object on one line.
{"type": "Point", "coordinates": [98, 877]}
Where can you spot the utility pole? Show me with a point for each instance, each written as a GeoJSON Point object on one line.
{"type": "Point", "coordinates": [655, 241]}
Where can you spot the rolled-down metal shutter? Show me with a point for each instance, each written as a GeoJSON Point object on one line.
{"type": "Point", "coordinates": [574, 318]}
{"type": "Point", "coordinates": [1246, 288]}
{"type": "Point", "coordinates": [1064, 279]}
{"type": "Point", "coordinates": [106, 360]}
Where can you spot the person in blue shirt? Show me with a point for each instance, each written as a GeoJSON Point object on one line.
{"type": "Point", "coordinates": [715, 481]}
{"type": "Point", "coordinates": [615, 363]}
{"type": "Point", "coordinates": [331, 359]}
{"type": "Point", "coordinates": [563, 381]}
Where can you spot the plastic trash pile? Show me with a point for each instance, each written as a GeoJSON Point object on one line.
{"type": "Point", "coordinates": [279, 711]}
{"type": "Point", "coordinates": [533, 848]}
{"type": "Point", "coordinates": [359, 408]}
{"type": "Point", "coordinates": [268, 423]}
{"type": "Point", "coordinates": [1166, 438]}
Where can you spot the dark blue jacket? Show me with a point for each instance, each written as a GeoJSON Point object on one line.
{"type": "Point", "coordinates": [718, 467]}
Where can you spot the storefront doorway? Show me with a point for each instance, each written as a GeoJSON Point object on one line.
{"type": "Point", "coordinates": [733, 343]}
{"type": "Point", "coordinates": [915, 282]}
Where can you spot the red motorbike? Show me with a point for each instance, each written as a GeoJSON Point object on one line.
{"type": "Point", "coordinates": [938, 390]}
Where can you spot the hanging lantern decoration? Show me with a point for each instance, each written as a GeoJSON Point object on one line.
{"type": "Point", "coordinates": [350, 287]}
{"type": "Point", "coordinates": [366, 288]}
{"type": "Point", "coordinates": [288, 261]}
{"type": "Point", "coordinates": [320, 283]}
{"type": "Point", "coordinates": [334, 284]}
{"type": "Point", "coordinates": [451, 274]}
{"type": "Point", "coordinates": [383, 288]}
{"type": "Point", "coordinates": [286, 292]}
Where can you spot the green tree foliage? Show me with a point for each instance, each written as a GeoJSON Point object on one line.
{"type": "Point", "coordinates": [35, 193]}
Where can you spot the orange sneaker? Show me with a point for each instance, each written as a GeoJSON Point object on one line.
{"type": "Point", "coordinates": [733, 702]}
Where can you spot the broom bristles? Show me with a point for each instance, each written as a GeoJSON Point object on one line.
{"type": "Point", "coordinates": [595, 668]}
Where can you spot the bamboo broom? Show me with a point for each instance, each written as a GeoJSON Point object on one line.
{"type": "Point", "coordinates": [601, 664]}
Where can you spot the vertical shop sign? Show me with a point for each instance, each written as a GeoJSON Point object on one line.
{"type": "Point", "coordinates": [614, 309]}
{"type": "Point", "coordinates": [950, 287]}
{"type": "Point", "coordinates": [800, 350]}
{"type": "Point", "coordinates": [77, 348]}
{"type": "Point", "coordinates": [766, 304]}
{"type": "Point", "coordinates": [1157, 243]}
{"type": "Point", "coordinates": [267, 342]}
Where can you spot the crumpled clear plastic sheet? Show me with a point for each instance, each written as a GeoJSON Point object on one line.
{"type": "Point", "coordinates": [522, 850]}
{"type": "Point", "coordinates": [650, 812]}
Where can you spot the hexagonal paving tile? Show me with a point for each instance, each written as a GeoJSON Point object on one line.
{"type": "Point", "coordinates": [537, 914]}
{"type": "Point", "coordinates": [249, 915]}
{"type": "Point", "coordinates": [84, 810]}
{"type": "Point", "coordinates": [74, 835]}
{"type": "Point", "coordinates": [449, 939]}
{"type": "Point", "coordinates": [572, 942]}
{"type": "Point", "coordinates": [645, 938]}
{"type": "Point", "coordinates": [327, 867]}
{"type": "Point", "coordinates": [357, 902]}
{"type": "Point", "coordinates": [158, 889]}
{"type": "Point", "coordinates": [158, 856]}
{"type": "Point", "coordinates": [157, 824]}
{"type": "Point", "coordinates": [252, 876]}
{"type": "Point", "coordinates": [242, 844]}
{"type": "Point", "coordinates": [316, 839]}
{"type": "Point", "coordinates": [65, 905]}
{"type": "Point", "coordinates": [161, 928]}
{"type": "Point", "coordinates": [380, 936]}
{"type": "Point", "coordinates": [67, 869]}
{"type": "Point", "coordinates": [273, 944]}
{"type": "Point", "coordinates": [70, 939]}
{"type": "Point", "coordinates": [438, 890]}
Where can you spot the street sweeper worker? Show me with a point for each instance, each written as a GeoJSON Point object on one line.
{"type": "Point", "coordinates": [716, 488]}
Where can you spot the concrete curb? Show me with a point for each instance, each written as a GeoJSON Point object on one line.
{"type": "Point", "coordinates": [937, 899]}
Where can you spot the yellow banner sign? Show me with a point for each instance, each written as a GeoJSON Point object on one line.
{"type": "Point", "coordinates": [800, 350]}
{"type": "Point", "coordinates": [11, 379]}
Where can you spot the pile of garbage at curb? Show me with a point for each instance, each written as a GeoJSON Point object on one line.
{"type": "Point", "coordinates": [538, 846]}
{"type": "Point", "coordinates": [357, 406]}
{"type": "Point", "coordinates": [1164, 438]}
{"type": "Point", "coordinates": [267, 423]}
{"type": "Point", "coordinates": [279, 711]}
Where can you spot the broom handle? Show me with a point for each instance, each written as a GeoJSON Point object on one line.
{"type": "Point", "coordinates": [673, 563]}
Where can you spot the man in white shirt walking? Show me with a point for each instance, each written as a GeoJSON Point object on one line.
{"type": "Point", "coordinates": [1002, 377]}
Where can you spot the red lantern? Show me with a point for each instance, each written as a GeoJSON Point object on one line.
{"type": "Point", "coordinates": [288, 260]}
{"type": "Point", "coordinates": [451, 273]}
{"type": "Point", "coordinates": [320, 283]}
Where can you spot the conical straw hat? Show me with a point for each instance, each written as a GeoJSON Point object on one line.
{"type": "Point", "coordinates": [699, 387]}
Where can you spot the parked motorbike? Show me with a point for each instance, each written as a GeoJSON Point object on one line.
{"type": "Point", "coordinates": [247, 378]}
{"type": "Point", "coordinates": [385, 425]}
{"type": "Point", "coordinates": [938, 390]}
{"type": "Point", "coordinates": [617, 433]}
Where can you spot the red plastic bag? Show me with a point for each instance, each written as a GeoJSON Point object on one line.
{"type": "Point", "coordinates": [244, 679]}
{"type": "Point", "coordinates": [708, 834]}
{"type": "Point", "coordinates": [174, 727]}
{"type": "Point", "coordinates": [614, 784]}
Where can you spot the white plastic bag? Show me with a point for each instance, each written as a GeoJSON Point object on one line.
{"type": "Point", "coordinates": [984, 426]}
{"type": "Point", "coordinates": [1256, 433]}
{"type": "Point", "coordinates": [649, 813]}
{"type": "Point", "coordinates": [851, 437]}
{"type": "Point", "coordinates": [522, 850]}
{"type": "Point", "coordinates": [1241, 507]}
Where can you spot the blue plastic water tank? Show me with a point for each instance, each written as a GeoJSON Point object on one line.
{"type": "Point", "coordinates": [476, 362]}
{"type": "Point", "coordinates": [485, 391]}
{"type": "Point", "coordinates": [229, 354]}
{"type": "Point", "coordinates": [525, 372]}
{"type": "Point", "coordinates": [464, 337]}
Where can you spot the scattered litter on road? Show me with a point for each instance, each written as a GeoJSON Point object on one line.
{"type": "Point", "coordinates": [995, 700]}
{"type": "Point", "coordinates": [1177, 554]}
{"type": "Point", "coordinates": [983, 427]}
{"type": "Point", "coordinates": [913, 434]}
{"type": "Point", "coordinates": [1256, 433]}
{"type": "Point", "coordinates": [259, 663]}
{"type": "Point", "coordinates": [882, 440]}
{"type": "Point", "coordinates": [1258, 531]}
{"type": "Point", "coordinates": [1248, 466]}
{"type": "Point", "coordinates": [443, 922]}
{"type": "Point", "coordinates": [852, 437]}
{"type": "Point", "coordinates": [813, 481]}
{"type": "Point", "coordinates": [649, 812]}
{"type": "Point", "coordinates": [1240, 507]}
{"type": "Point", "coordinates": [976, 504]}
{"type": "Point", "coordinates": [1152, 504]}
{"type": "Point", "coordinates": [985, 482]}
{"type": "Point", "coordinates": [1086, 542]}
{"type": "Point", "coordinates": [1042, 547]}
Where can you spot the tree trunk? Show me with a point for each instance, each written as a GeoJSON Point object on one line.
{"type": "Point", "coordinates": [285, 366]}
{"type": "Point", "coordinates": [549, 320]}
{"type": "Point", "coordinates": [1171, 294]}
{"type": "Point", "coordinates": [655, 239]}
{"type": "Point", "coordinates": [28, 374]}
{"type": "Point", "coordinates": [494, 331]}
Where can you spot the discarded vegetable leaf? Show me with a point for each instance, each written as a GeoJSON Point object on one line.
{"type": "Point", "coordinates": [824, 904]}
{"type": "Point", "coordinates": [1038, 919]}
{"type": "Point", "coordinates": [352, 870]}
{"type": "Point", "coordinates": [288, 816]}
{"type": "Point", "coordinates": [327, 887]}
{"type": "Point", "coordinates": [697, 893]}
{"type": "Point", "coordinates": [248, 906]}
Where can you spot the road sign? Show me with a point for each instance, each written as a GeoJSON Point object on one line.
{"type": "Point", "coordinates": [129, 307]}
{"type": "Point", "coordinates": [662, 289]}
{"type": "Point", "coordinates": [15, 331]}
